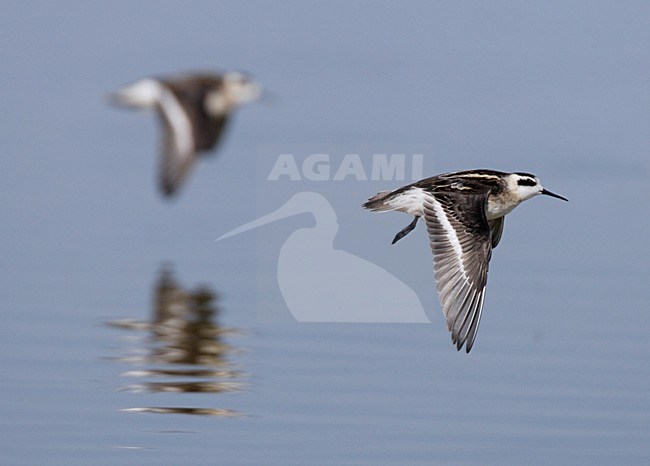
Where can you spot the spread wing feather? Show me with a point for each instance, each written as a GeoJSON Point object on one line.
{"type": "Point", "coordinates": [178, 151]}
{"type": "Point", "coordinates": [461, 242]}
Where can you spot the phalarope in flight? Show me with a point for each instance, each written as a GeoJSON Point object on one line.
{"type": "Point", "coordinates": [464, 214]}
{"type": "Point", "coordinates": [194, 110]}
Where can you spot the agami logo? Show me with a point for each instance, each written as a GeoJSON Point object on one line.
{"type": "Point", "coordinates": [319, 167]}
{"type": "Point", "coordinates": [322, 284]}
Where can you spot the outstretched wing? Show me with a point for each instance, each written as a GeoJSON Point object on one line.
{"type": "Point", "coordinates": [178, 151]}
{"type": "Point", "coordinates": [460, 240]}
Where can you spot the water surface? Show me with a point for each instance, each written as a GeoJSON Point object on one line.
{"type": "Point", "coordinates": [559, 371]}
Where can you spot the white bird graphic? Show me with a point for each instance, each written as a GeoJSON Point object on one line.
{"type": "Point", "coordinates": [323, 284]}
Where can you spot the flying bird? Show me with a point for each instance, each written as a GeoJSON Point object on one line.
{"type": "Point", "coordinates": [194, 109]}
{"type": "Point", "coordinates": [464, 214]}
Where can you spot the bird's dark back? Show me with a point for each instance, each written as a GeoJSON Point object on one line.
{"type": "Point", "coordinates": [191, 93]}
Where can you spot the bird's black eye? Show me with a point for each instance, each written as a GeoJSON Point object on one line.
{"type": "Point", "coordinates": [526, 182]}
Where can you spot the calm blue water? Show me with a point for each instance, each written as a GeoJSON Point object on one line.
{"type": "Point", "coordinates": [559, 373]}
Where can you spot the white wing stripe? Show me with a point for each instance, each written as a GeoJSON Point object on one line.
{"type": "Point", "coordinates": [452, 237]}
{"type": "Point", "coordinates": [179, 122]}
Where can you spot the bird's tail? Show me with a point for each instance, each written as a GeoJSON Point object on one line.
{"type": "Point", "coordinates": [141, 94]}
{"type": "Point", "coordinates": [377, 203]}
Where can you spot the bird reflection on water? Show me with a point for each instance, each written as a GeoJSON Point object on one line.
{"type": "Point", "coordinates": [184, 350]}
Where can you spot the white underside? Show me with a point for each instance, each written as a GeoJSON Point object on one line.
{"type": "Point", "coordinates": [410, 202]}
{"type": "Point", "coordinates": [497, 209]}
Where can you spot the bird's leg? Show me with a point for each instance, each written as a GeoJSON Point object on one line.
{"type": "Point", "coordinates": [406, 230]}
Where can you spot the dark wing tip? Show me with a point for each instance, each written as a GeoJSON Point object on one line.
{"type": "Point", "coordinates": [458, 342]}
{"type": "Point", "coordinates": [468, 346]}
{"type": "Point", "coordinates": [167, 189]}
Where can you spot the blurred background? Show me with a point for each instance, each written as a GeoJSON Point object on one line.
{"type": "Point", "coordinates": [559, 371]}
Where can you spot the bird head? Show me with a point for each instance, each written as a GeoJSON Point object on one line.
{"type": "Point", "coordinates": [525, 186]}
{"type": "Point", "coordinates": [241, 89]}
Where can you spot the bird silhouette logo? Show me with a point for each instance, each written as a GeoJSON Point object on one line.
{"type": "Point", "coordinates": [322, 284]}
